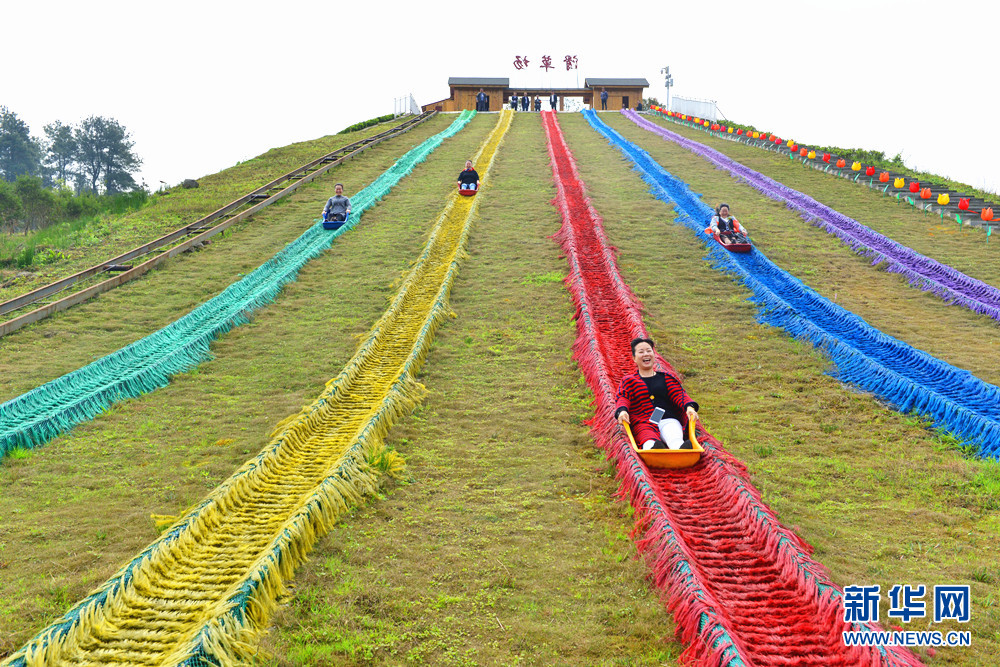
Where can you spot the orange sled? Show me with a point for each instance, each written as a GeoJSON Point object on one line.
{"type": "Point", "coordinates": [669, 458]}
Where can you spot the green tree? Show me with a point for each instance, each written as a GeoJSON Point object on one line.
{"type": "Point", "coordinates": [10, 207]}
{"type": "Point", "coordinates": [19, 152]}
{"type": "Point", "coordinates": [60, 150]}
{"type": "Point", "coordinates": [39, 203]}
{"type": "Point", "coordinates": [105, 156]}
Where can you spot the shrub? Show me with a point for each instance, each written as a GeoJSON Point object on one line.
{"type": "Point", "coordinates": [368, 123]}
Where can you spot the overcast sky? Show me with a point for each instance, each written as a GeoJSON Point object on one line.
{"type": "Point", "coordinates": [203, 85]}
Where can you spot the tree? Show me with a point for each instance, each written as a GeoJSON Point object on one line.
{"type": "Point", "coordinates": [10, 206]}
{"type": "Point", "coordinates": [104, 153]}
{"type": "Point", "coordinates": [39, 202]}
{"type": "Point", "coordinates": [60, 150]}
{"type": "Point", "coordinates": [19, 153]}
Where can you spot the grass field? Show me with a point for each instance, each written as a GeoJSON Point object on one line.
{"type": "Point", "coordinates": [505, 544]}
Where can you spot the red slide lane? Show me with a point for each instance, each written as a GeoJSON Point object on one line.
{"type": "Point", "coordinates": [742, 587]}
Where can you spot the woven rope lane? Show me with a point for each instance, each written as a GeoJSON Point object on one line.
{"type": "Point", "coordinates": [203, 592]}
{"type": "Point", "coordinates": [35, 417]}
{"type": "Point", "coordinates": [742, 587]}
{"type": "Point", "coordinates": [908, 378]}
{"type": "Point", "coordinates": [921, 271]}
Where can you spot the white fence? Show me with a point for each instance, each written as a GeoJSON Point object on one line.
{"type": "Point", "coordinates": [404, 105]}
{"type": "Point", "coordinates": [701, 108]}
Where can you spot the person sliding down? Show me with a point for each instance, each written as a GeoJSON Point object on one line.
{"type": "Point", "coordinates": [338, 207]}
{"type": "Point", "coordinates": [654, 404]}
{"type": "Point", "coordinates": [727, 227]}
{"type": "Point", "coordinates": [468, 178]}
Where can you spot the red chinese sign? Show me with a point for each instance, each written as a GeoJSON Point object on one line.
{"type": "Point", "coordinates": [521, 62]}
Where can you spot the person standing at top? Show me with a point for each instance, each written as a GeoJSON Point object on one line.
{"type": "Point", "coordinates": [338, 207]}
{"type": "Point", "coordinates": [538, 103]}
{"type": "Point", "coordinates": [604, 99]}
{"type": "Point", "coordinates": [553, 101]}
{"type": "Point", "coordinates": [524, 101]}
{"type": "Point", "coordinates": [468, 178]}
{"type": "Point", "coordinates": [653, 404]}
{"type": "Point", "coordinates": [481, 101]}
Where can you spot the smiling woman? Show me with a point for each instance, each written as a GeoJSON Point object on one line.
{"type": "Point", "coordinates": [656, 401]}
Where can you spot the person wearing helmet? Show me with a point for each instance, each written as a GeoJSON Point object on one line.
{"type": "Point", "coordinates": [728, 228]}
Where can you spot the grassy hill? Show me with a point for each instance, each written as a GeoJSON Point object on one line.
{"type": "Point", "coordinates": [505, 544]}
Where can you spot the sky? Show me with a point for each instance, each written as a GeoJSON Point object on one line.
{"type": "Point", "coordinates": [203, 85]}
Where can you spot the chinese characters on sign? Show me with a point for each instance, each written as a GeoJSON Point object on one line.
{"type": "Point", "coordinates": [521, 62]}
{"type": "Point", "coordinates": [951, 603]}
{"type": "Point", "coordinates": [861, 603]}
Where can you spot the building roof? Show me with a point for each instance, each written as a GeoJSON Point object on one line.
{"type": "Point", "coordinates": [591, 83]}
{"type": "Point", "coordinates": [478, 81]}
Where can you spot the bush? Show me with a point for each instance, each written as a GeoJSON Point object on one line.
{"type": "Point", "coordinates": [81, 205]}
{"type": "Point", "coordinates": [368, 123]}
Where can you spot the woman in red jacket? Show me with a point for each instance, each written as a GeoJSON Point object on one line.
{"type": "Point", "coordinates": [654, 404]}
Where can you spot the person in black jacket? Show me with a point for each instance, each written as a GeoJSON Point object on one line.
{"type": "Point", "coordinates": [524, 101]}
{"type": "Point", "coordinates": [481, 101]}
{"type": "Point", "coordinates": [553, 101]}
{"type": "Point", "coordinates": [468, 178]}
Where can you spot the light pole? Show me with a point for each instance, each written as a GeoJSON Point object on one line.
{"type": "Point", "coordinates": [667, 81]}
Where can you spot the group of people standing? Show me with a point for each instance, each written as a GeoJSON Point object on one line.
{"type": "Point", "coordinates": [522, 102]}
{"type": "Point", "coordinates": [527, 104]}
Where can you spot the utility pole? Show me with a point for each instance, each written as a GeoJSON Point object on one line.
{"type": "Point", "coordinates": [667, 81]}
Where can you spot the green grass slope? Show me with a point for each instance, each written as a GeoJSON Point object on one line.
{"type": "Point", "coordinates": [73, 338]}
{"type": "Point", "coordinates": [505, 544]}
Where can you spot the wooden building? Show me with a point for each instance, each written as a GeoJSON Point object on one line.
{"type": "Point", "coordinates": [621, 93]}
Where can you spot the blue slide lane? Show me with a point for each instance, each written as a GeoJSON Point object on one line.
{"type": "Point", "coordinates": [909, 378]}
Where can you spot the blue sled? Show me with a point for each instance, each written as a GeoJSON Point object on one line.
{"type": "Point", "coordinates": [335, 224]}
